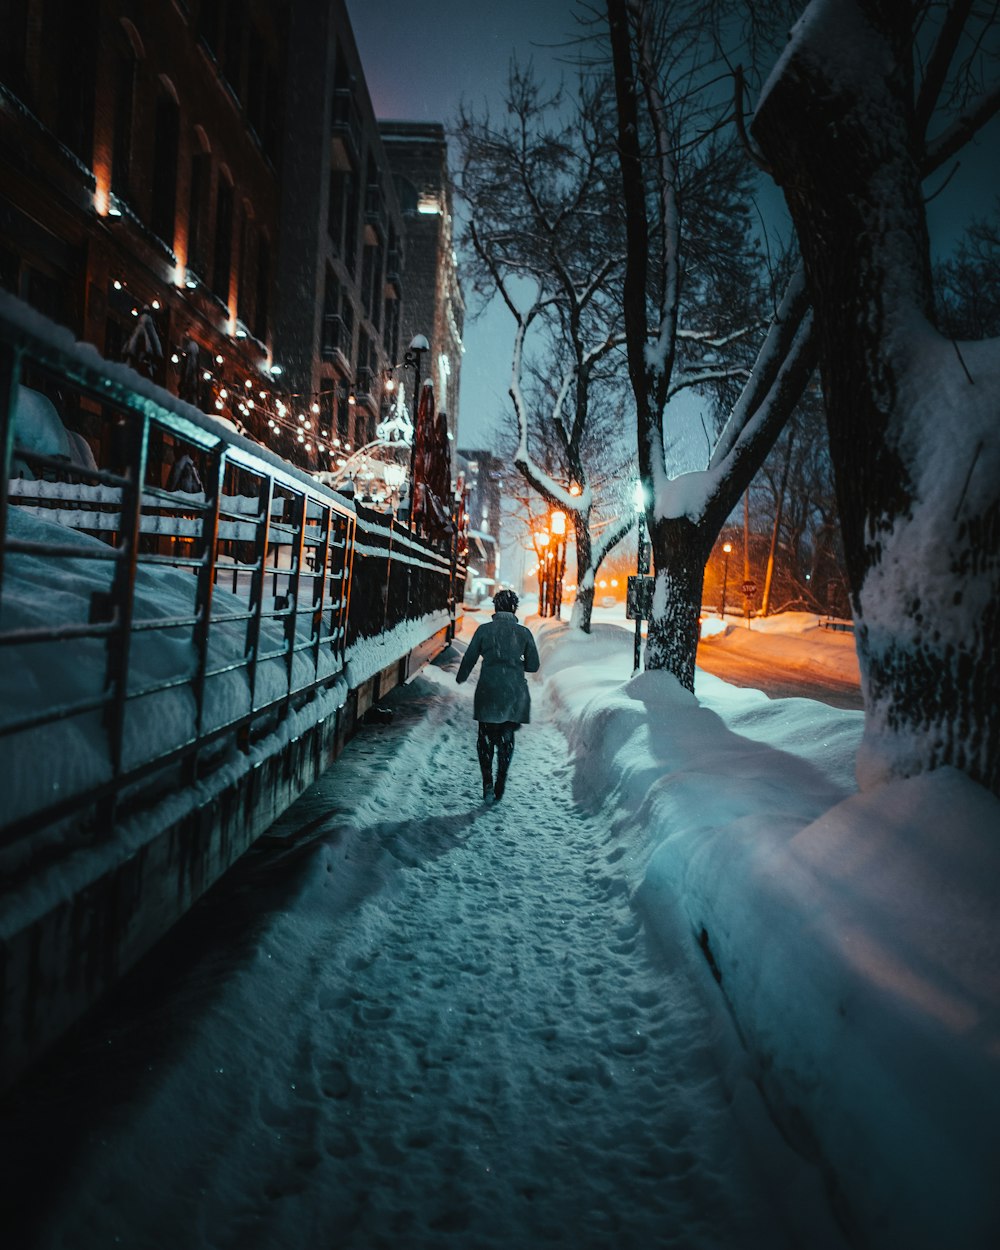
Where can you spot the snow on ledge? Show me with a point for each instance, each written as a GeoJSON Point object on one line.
{"type": "Point", "coordinates": [368, 656]}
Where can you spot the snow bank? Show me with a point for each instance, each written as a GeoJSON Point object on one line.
{"type": "Point", "coordinates": [855, 936]}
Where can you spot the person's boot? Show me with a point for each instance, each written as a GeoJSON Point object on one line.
{"type": "Point", "coordinates": [505, 752]}
{"type": "Point", "coordinates": [484, 749]}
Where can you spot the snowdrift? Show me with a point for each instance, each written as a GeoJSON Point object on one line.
{"type": "Point", "coordinates": [855, 937]}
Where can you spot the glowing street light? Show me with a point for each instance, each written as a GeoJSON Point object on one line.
{"type": "Point", "coordinates": [557, 527]}
{"type": "Point", "coordinates": [727, 548]}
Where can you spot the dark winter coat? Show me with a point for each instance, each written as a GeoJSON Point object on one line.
{"type": "Point", "coordinates": [508, 652]}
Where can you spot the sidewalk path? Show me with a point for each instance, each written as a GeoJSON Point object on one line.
{"type": "Point", "coordinates": [452, 1032]}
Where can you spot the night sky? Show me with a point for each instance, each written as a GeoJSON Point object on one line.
{"type": "Point", "coordinates": [422, 60]}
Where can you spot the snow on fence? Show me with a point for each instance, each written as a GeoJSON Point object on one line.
{"type": "Point", "coordinates": [169, 591]}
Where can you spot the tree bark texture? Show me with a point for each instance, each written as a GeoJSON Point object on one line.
{"type": "Point", "coordinates": [916, 476]}
{"type": "Point", "coordinates": [672, 633]}
{"type": "Point", "coordinates": [583, 603]}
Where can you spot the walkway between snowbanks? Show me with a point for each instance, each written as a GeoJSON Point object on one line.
{"type": "Point", "coordinates": [855, 936]}
{"type": "Point", "coordinates": [447, 1027]}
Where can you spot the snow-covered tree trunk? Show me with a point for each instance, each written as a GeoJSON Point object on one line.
{"type": "Point", "coordinates": [912, 416]}
{"type": "Point", "coordinates": [672, 637]}
{"type": "Point", "coordinates": [583, 604]}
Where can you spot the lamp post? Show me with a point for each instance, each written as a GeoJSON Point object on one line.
{"type": "Point", "coordinates": [642, 566]}
{"type": "Point", "coordinates": [411, 360]}
{"type": "Point", "coordinates": [557, 526]}
{"type": "Point", "coordinates": [541, 539]}
{"type": "Point", "coordinates": [727, 548]}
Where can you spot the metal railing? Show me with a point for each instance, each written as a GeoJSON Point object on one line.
{"type": "Point", "coordinates": [167, 591]}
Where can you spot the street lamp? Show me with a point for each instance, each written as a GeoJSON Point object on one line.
{"type": "Point", "coordinates": [642, 569]}
{"type": "Point", "coordinates": [557, 527]}
{"type": "Point", "coordinates": [727, 548]}
{"type": "Point", "coordinates": [411, 360]}
{"type": "Point", "coordinates": [541, 541]}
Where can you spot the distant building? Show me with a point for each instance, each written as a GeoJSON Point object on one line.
{"type": "Point", "coordinates": [484, 477]}
{"type": "Point", "coordinates": [434, 306]}
{"type": "Point", "coordinates": [338, 323]}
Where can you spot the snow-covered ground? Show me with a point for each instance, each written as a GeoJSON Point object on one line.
{"type": "Point", "coordinates": [412, 1020]}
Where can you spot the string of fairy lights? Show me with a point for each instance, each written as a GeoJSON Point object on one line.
{"type": "Point", "coordinates": [273, 413]}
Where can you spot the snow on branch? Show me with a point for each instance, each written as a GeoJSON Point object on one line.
{"type": "Point", "coordinates": [701, 377]}
{"type": "Point", "coordinates": [611, 536]}
{"type": "Point", "coordinates": [708, 339]}
{"type": "Point", "coordinates": [775, 348]}
{"type": "Point", "coordinates": [660, 356]}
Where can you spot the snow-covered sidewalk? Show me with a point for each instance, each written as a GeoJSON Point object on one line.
{"type": "Point", "coordinates": [450, 1028]}
{"type": "Point", "coordinates": [411, 1020]}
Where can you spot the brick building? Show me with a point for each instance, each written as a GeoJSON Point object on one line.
{"type": "Point", "coordinates": [178, 156]}
{"type": "Point", "coordinates": [139, 146]}
{"type": "Point", "coordinates": [418, 157]}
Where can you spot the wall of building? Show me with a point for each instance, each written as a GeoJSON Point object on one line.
{"type": "Point", "coordinates": [139, 146]}
{"type": "Point", "coordinates": [178, 156]}
{"type": "Point", "coordinates": [434, 306]}
{"type": "Point", "coordinates": [338, 324]}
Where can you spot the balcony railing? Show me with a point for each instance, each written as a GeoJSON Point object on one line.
{"type": "Point", "coordinates": [346, 122]}
{"type": "Point", "coordinates": [336, 338]}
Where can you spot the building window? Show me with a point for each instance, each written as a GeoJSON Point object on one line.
{"type": "Point", "coordinates": [201, 172]}
{"type": "Point", "coordinates": [342, 215]}
{"type": "Point", "coordinates": [121, 152]}
{"type": "Point", "coordinates": [347, 328]}
{"type": "Point", "coordinates": [165, 137]}
{"type": "Point", "coordinates": [332, 326]}
{"type": "Point", "coordinates": [390, 336]}
{"type": "Point", "coordinates": [75, 24]}
{"type": "Point", "coordinates": [14, 47]}
{"type": "Point", "coordinates": [371, 284]}
{"type": "Point", "coordinates": [222, 260]}
{"type": "Point", "coordinates": [243, 310]}
{"type": "Point", "coordinates": [232, 65]}
{"type": "Point", "coordinates": [261, 308]}
{"type": "Point", "coordinates": [343, 416]}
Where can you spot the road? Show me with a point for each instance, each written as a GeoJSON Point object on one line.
{"type": "Point", "coordinates": [821, 666]}
{"type": "Point", "coordinates": [813, 663]}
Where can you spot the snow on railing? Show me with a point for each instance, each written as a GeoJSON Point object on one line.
{"type": "Point", "coordinates": [168, 590]}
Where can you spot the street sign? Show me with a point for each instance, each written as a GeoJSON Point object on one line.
{"type": "Point", "coordinates": [749, 588]}
{"type": "Point", "coordinates": [639, 599]}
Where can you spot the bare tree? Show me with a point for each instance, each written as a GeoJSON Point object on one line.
{"type": "Point", "coordinates": [794, 497]}
{"type": "Point", "coordinates": [968, 283]}
{"type": "Point", "coordinates": [867, 100]}
{"type": "Point", "coordinates": [545, 235]}
{"type": "Point", "coordinates": [671, 146]}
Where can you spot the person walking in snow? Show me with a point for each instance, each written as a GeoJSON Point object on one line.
{"type": "Point", "coordinates": [502, 703]}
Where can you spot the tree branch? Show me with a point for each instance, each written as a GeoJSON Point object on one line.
{"type": "Point", "coordinates": [961, 131]}
{"type": "Point", "coordinates": [775, 349]}
{"type": "Point", "coordinates": [939, 61]}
